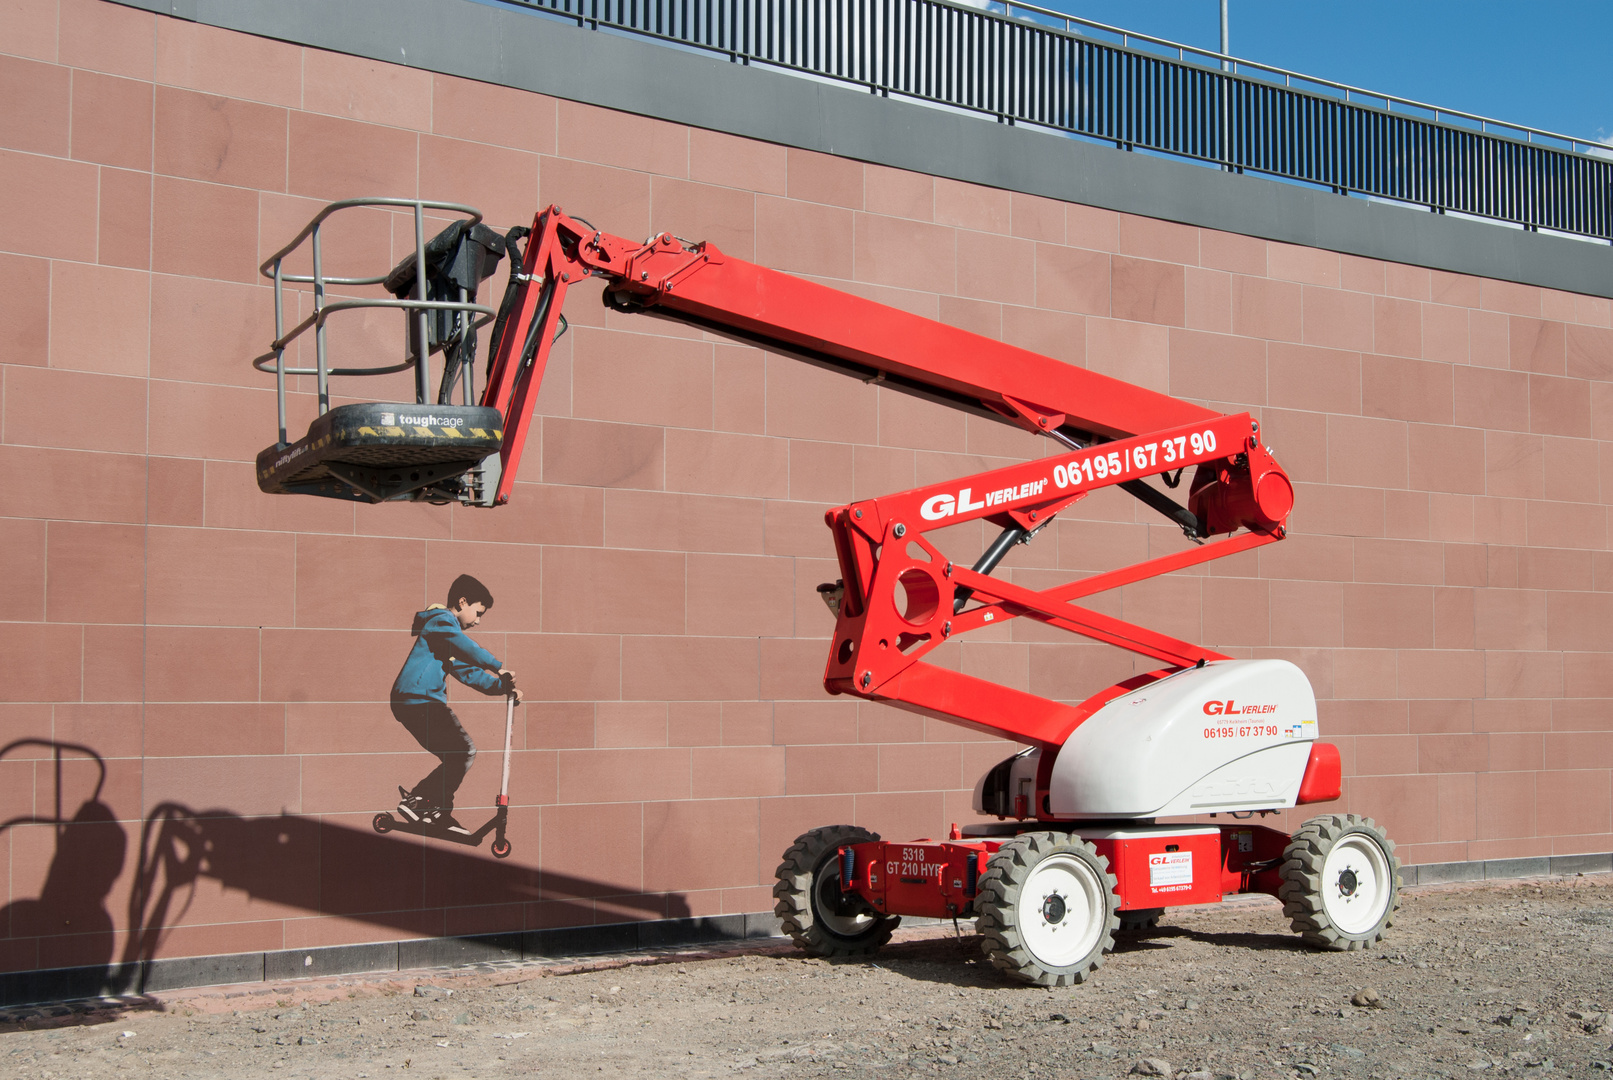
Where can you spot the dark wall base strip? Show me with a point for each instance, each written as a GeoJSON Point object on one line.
{"type": "Point", "coordinates": [330, 960]}
{"type": "Point", "coordinates": [1507, 869]}
{"type": "Point", "coordinates": [68, 984]}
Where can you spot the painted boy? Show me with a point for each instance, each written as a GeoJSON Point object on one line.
{"type": "Point", "coordinates": [420, 697]}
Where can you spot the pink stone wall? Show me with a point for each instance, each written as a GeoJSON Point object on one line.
{"type": "Point", "coordinates": [219, 659]}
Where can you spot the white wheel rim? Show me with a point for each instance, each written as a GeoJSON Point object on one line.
{"type": "Point", "coordinates": [826, 888]}
{"type": "Point", "coordinates": [1355, 884]}
{"type": "Point", "coordinates": [1061, 911]}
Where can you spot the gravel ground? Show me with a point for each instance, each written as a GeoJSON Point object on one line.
{"type": "Point", "coordinates": [1513, 978]}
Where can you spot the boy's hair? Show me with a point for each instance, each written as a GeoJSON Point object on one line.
{"type": "Point", "coordinates": [466, 587]}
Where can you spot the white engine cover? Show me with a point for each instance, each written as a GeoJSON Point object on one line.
{"type": "Point", "coordinates": [1231, 735]}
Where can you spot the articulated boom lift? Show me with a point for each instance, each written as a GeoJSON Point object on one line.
{"type": "Point", "coordinates": [1077, 853]}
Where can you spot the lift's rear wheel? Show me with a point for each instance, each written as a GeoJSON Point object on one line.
{"type": "Point", "coordinates": [1140, 920]}
{"type": "Point", "coordinates": [821, 918]}
{"type": "Point", "coordinates": [1341, 882]}
{"type": "Point", "coordinates": [383, 822]}
{"type": "Point", "coordinates": [1047, 909]}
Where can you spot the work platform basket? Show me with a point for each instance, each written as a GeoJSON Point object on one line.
{"type": "Point", "coordinates": [431, 448]}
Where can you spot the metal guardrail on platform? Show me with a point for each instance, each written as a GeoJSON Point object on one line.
{"type": "Point", "coordinates": [1028, 65]}
{"type": "Point", "coordinates": [469, 316]}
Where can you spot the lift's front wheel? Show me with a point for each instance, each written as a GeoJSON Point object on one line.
{"type": "Point", "coordinates": [1047, 909]}
{"type": "Point", "coordinates": [817, 914]}
{"type": "Point", "coordinates": [501, 848]}
{"type": "Point", "coordinates": [1341, 882]}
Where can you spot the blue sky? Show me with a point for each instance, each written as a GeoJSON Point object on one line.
{"type": "Point", "coordinates": [1544, 63]}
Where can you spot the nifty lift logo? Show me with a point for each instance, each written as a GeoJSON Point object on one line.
{"type": "Point", "coordinates": [940, 507]}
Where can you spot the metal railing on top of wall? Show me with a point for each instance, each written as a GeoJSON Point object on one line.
{"type": "Point", "coordinates": [1027, 65]}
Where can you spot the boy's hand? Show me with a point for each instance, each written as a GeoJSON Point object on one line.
{"type": "Point", "coordinates": [506, 679]}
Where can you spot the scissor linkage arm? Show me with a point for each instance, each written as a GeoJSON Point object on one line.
{"type": "Point", "coordinates": [902, 596]}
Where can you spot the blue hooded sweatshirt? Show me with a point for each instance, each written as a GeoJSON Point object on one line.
{"type": "Point", "coordinates": [442, 648]}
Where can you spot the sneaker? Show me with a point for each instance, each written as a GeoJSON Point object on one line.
{"type": "Point", "coordinates": [412, 807]}
{"type": "Point", "coordinates": [446, 822]}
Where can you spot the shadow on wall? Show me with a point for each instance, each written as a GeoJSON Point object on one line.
{"type": "Point", "coordinates": [385, 880]}
{"type": "Point", "coordinates": [90, 850]}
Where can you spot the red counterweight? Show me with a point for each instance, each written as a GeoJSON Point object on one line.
{"type": "Point", "coordinates": [1155, 870]}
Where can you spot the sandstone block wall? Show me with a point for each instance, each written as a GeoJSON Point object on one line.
{"type": "Point", "coordinates": [195, 674]}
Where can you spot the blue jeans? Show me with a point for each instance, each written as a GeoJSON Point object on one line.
{"type": "Point", "coordinates": [438, 731]}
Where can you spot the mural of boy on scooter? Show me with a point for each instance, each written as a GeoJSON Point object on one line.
{"type": "Point", "coordinates": [420, 701]}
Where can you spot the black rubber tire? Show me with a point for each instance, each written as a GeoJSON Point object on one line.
{"type": "Point", "coordinates": [501, 849]}
{"type": "Point", "coordinates": [1140, 921]}
{"type": "Point", "coordinates": [1012, 944]}
{"type": "Point", "coordinates": [383, 822]}
{"type": "Point", "coordinates": [1318, 909]}
{"type": "Point", "coordinates": [808, 880]}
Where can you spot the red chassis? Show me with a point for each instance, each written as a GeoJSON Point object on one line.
{"type": "Point", "coordinates": [1051, 885]}
{"type": "Point", "coordinates": [940, 879]}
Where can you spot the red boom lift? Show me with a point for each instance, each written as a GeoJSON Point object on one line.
{"type": "Point", "coordinates": [1077, 852]}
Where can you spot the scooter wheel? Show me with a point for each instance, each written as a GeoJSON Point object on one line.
{"type": "Point", "coordinates": [501, 849]}
{"type": "Point", "coordinates": [383, 822]}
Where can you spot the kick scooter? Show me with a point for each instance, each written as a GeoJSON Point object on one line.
{"type": "Point", "coordinates": [384, 821]}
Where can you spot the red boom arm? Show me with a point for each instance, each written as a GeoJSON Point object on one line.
{"type": "Point", "coordinates": [902, 597]}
